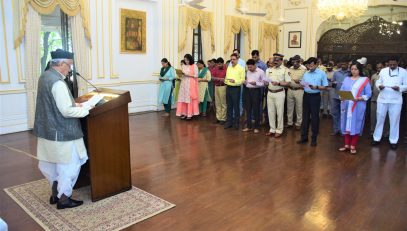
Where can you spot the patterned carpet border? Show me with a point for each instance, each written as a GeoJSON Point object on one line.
{"type": "Point", "coordinates": [119, 211]}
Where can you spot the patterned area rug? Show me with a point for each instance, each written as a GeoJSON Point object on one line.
{"type": "Point", "coordinates": [114, 213]}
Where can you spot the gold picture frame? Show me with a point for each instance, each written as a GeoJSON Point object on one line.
{"type": "Point", "coordinates": [294, 39]}
{"type": "Point", "coordinates": [132, 31]}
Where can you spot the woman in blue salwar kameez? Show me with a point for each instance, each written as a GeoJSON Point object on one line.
{"type": "Point", "coordinates": [165, 96]}
{"type": "Point", "coordinates": [353, 111]}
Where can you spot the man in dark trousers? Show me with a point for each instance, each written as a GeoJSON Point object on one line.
{"type": "Point", "coordinates": [313, 82]}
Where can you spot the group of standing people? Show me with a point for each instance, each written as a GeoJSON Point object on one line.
{"type": "Point", "coordinates": [305, 88]}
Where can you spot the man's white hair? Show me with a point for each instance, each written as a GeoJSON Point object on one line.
{"type": "Point", "coordinates": [57, 62]}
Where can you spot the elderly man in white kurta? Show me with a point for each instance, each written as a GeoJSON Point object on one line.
{"type": "Point", "coordinates": [391, 83]}
{"type": "Point", "coordinates": [60, 150]}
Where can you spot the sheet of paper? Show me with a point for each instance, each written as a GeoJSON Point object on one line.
{"type": "Point", "coordinates": [305, 85]}
{"type": "Point", "coordinates": [92, 101]}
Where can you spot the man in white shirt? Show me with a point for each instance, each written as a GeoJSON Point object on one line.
{"type": "Point", "coordinates": [60, 149]}
{"type": "Point", "coordinates": [392, 82]}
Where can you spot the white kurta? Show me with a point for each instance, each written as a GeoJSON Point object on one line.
{"type": "Point", "coordinates": [60, 151]}
{"type": "Point", "coordinates": [389, 78]}
{"type": "Point", "coordinates": [61, 160]}
{"type": "Point", "coordinates": [390, 100]}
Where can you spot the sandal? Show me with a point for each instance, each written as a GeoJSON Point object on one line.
{"type": "Point", "coordinates": [344, 148]}
{"type": "Point", "coordinates": [353, 150]}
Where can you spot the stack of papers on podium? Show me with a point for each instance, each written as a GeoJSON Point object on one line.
{"type": "Point", "coordinates": [92, 101]}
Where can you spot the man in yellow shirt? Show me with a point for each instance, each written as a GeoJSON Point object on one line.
{"type": "Point", "coordinates": [235, 76]}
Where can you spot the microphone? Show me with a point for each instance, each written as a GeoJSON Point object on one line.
{"type": "Point", "coordinates": [77, 73]}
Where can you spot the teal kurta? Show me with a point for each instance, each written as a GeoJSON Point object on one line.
{"type": "Point", "coordinates": [166, 87]}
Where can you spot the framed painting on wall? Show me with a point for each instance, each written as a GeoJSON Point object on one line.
{"type": "Point", "coordinates": [132, 31]}
{"type": "Point", "coordinates": [294, 39]}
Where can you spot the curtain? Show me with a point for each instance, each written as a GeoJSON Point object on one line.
{"type": "Point", "coordinates": [32, 48]}
{"type": "Point", "coordinates": [81, 49]}
{"type": "Point", "coordinates": [233, 25]}
{"type": "Point", "coordinates": [206, 46]}
{"type": "Point", "coordinates": [267, 40]}
{"type": "Point", "coordinates": [69, 7]}
{"type": "Point", "coordinates": [189, 18]}
{"type": "Point", "coordinates": [188, 45]}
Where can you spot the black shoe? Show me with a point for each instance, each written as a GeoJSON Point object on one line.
{"type": "Point", "coordinates": [302, 141]}
{"type": "Point", "coordinates": [324, 116]}
{"type": "Point", "coordinates": [313, 143]}
{"type": "Point", "coordinates": [289, 126]}
{"type": "Point", "coordinates": [227, 126]}
{"type": "Point", "coordinates": [393, 146]}
{"type": "Point", "coordinates": [374, 143]}
{"type": "Point", "coordinates": [53, 200]}
{"type": "Point", "coordinates": [216, 122]}
{"type": "Point", "coordinates": [222, 122]}
{"type": "Point", "coordinates": [69, 203]}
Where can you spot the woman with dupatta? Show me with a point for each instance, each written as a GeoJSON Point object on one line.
{"type": "Point", "coordinates": [188, 98]}
{"type": "Point", "coordinates": [165, 96]}
{"type": "Point", "coordinates": [204, 76]}
{"type": "Point", "coordinates": [353, 111]}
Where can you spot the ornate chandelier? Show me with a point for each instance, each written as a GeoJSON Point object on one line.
{"type": "Point", "coordinates": [341, 9]}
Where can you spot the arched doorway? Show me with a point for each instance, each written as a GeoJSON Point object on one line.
{"type": "Point", "coordinates": [364, 40]}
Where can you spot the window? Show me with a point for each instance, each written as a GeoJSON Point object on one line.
{"type": "Point", "coordinates": [55, 33]}
{"type": "Point", "coordinates": [237, 40]}
{"type": "Point", "coordinates": [197, 43]}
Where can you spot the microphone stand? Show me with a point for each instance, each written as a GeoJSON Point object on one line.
{"type": "Point", "coordinates": [97, 90]}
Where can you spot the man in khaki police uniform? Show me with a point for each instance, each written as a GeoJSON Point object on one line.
{"type": "Point", "coordinates": [277, 77]}
{"type": "Point", "coordinates": [295, 93]}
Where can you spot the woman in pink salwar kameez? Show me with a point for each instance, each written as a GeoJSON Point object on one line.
{"type": "Point", "coordinates": [188, 96]}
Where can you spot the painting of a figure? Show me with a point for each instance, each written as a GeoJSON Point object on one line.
{"type": "Point", "coordinates": [133, 31]}
{"type": "Point", "coordinates": [294, 39]}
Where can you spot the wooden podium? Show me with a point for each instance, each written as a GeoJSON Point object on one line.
{"type": "Point", "coordinates": [106, 131]}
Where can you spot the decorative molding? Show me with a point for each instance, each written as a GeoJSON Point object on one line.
{"type": "Point", "coordinates": [21, 78]}
{"type": "Point", "coordinates": [5, 44]}
{"type": "Point", "coordinates": [112, 74]}
{"type": "Point", "coordinates": [103, 38]}
{"type": "Point", "coordinates": [13, 91]}
{"type": "Point", "coordinates": [137, 82]}
{"type": "Point", "coordinates": [295, 2]}
{"type": "Point", "coordinates": [18, 57]}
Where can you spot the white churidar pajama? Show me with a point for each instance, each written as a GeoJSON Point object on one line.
{"type": "Point", "coordinates": [61, 160]}
{"type": "Point", "coordinates": [390, 100]}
